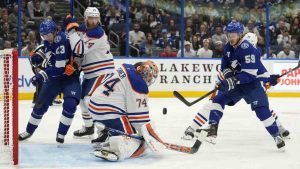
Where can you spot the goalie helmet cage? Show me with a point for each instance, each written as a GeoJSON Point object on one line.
{"type": "Point", "coordinates": [8, 106]}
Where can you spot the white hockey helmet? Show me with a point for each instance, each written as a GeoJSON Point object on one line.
{"type": "Point", "coordinates": [251, 37]}
{"type": "Point", "coordinates": [91, 12]}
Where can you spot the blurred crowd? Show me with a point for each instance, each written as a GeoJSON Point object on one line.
{"type": "Point", "coordinates": [155, 25]}
{"type": "Point", "coordinates": [33, 12]}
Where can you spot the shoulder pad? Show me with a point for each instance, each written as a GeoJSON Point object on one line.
{"type": "Point", "coordinates": [97, 32]}
{"type": "Point", "coordinates": [60, 37]}
{"type": "Point", "coordinates": [137, 82]}
{"type": "Point", "coordinates": [82, 28]}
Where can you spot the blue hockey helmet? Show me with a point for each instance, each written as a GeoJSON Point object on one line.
{"type": "Point", "coordinates": [47, 26]}
{"type": "Point", "coordinates": [234, 27]}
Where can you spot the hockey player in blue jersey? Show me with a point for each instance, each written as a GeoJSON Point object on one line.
{"type": "Point", "coordinates": [244, 74]}
{"type": "Point", "coordinates": [59, 76]}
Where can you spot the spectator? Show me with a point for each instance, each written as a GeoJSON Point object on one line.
{"type": "Point", "coordinates": [147, 47]}
{"type": "Point", "coordinates": [219, 49]}
{"type": "Point", "coordinates": [46, 7]}
{"type": "Point", "coordinates": [188, 34]}
{"type": "Point", "coordinates": [205, 52]}
{"type": "Point", "coordinates": [250, 28]}
{"type": "Point", "coordinates": [136, 37]}
{"type": "Point", "coordinates": [188, 51]}
{"type": "Point", "coordinates": [112, 16]}
{"type": "Point", "coordinates": [13, 18]}
{"type": "Point", "coordinates": [295, 29]}
{"type": "Point", "coordinates": [165, 40]}
{"type": "Point", "coordinates": [23, 38]}
{"type": "Point", "coordinates": [219, 35]}
{"type": "Point", "coordinates": [26, 51]}
{"type": "Point", "coordinates": [286, 53]}
{"type": "Point", "coordinates": [5, 32]}
{"type": "Point", "coordinates": [195, 43]}
{"type": "Point", "coordinates": [284, 38]}
{"type": "Point", "coordinates": [34, 10]}
{"type": "Point", "coordinates": [280, 28]}
{"type": "Point", "coordinates": [7, 44]}
{"type": "Point", "coordinates": [189, 9]}
{"type": "Point", "coordinates": [203, 33]}
{"type": "Point", "coordinates": [295, 46]}
{"type": "Point", "coordinates": [167, 52]}
{"type": "Point", "coordinates": [3, 19]}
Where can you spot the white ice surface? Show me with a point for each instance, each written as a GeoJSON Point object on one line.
{"type": "Point", "coordinates": [242, 141]}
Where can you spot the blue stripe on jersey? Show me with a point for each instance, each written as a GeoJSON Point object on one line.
{"type": "Point", "coordinates": [109, 60]}
{"type": "Point", "coordinates": [105, 113]}
{"type": "Point", "coordinates": [142, 121]}
{"type": "Point", "coordinates": [197, 122]}
{"type": "Point", "coordinates": [99, 70]}
{"type": "Point", "coordinates": [137, 113]}
{"type": "Point", "coordinates": [108, 105]}
{"type": "Point", "coordinates": [202, 116]}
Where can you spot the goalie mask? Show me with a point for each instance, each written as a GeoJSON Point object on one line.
{"type": "Point", "coordinates": [148, 70]}
{"type": "Point", "coordinates": [38, 58]}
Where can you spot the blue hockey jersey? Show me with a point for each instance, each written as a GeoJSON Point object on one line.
{"type": "Point", "coordinates": [246, 60]}
{"type": "Point", "coordinates": [58, 54]}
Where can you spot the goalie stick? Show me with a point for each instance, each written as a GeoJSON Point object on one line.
{"type": "Point", "coordinates": [182, 99]}
{"type": "Point", "coordinates": [170, 146]}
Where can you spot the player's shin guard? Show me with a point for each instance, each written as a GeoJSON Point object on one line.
{"type": "Point", "coordinates": [282, 131]}
{"type": "Point", "coordinates": [264, 114]}
{"type": "Point", "coordinates": [34, 120]}
{"type": "Point", "coordinates": [69, 109]}
{"type": "Point", "coordinates": [87, 118]}
{"type": "Point", "coordinates": [216, 113]}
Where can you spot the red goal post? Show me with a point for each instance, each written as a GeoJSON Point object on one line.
{"type": "Point", "coordinates": [8, 106]}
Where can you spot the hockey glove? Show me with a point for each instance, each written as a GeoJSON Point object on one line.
{"type": "Point", "coordinates": [228, 72]}
{"type": "Point", "coordinates": [70, 23]}
{"type": "Point", "coordinates": [227, 84]}
{"type": "Point", "coordinates": [39, 78]}
{"type": "Point", "coordinates": [274, 79]}
{"type": "Point", "coordinates": [71, 69]}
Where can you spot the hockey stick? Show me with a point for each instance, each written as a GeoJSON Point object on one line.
{"type": "Point", "coordinates": [182, 99]}
{"type": "Point", "coordinates": [170, 146]}
{"type": "Point", "coordinates": [298, 66]}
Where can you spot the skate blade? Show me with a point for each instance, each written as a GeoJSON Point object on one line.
{"type": "Point", "coordinates": [211, 140]}
{"type": "Point", "coordinates": [86, 137]}
{"type": "Point", "coordinates": [282, 149]}
{"type": "Point", "coordinates": [286, 138]}
{"type": "Point", "coordinates": [106, 156]}
{"type": "Point", "coordinates": [187, 137]}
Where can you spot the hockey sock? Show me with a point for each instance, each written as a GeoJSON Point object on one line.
{"type": "Point", "coordinates": [276, 118]}
{"type": "Point", "coordinates": [87, 118]}
{"type": "Point", "coordinates": [36, 117]}
{"type": "Point", "coordinates": [202, 116]}
{"type": "Point", "coordinates": [264, 114]}
{"type": "Point", "coordinates": [69, 109]}
{"type": "Point", "coordinates": [217, 109]}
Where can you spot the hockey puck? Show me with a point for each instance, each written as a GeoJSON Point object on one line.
{"type": "Point", "coordinates": [164, 111]}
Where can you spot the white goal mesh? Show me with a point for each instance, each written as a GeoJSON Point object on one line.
{"type": "Point", "coordinates": [8, 107]}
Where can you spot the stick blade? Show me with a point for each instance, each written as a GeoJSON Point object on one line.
{"type": "Point", "coordinates": [181, 98]}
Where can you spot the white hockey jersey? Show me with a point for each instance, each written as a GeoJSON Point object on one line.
{"type": "Point", "coordinates": [94, 47]}
{"type": "Point", "coordinates": [124, 93]}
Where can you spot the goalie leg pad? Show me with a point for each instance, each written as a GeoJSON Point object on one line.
{"type": "Point", "coordinates": [152, 140]}
{"type": "Point", "coordinates": [125, 147]}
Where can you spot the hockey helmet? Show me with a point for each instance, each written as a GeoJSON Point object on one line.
{"type": "Point", "coordinates": [234, 27]}
{"type": "Point", "coordinates": [149, 71]}
{"type": "Point", "coordinates": [47, 26]}
{"type": "Point", "coordinates": [91, 12]}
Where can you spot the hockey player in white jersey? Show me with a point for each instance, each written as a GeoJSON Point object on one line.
{"type": "Point", "coordinates": [121, 103]}
{"type": "Point", "coordinates": [201, 118]}
{"type": "Point", "coordinates": [90, 41]}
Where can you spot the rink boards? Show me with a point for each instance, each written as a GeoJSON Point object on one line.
{"type": "Point", "coordinates": [192, 77]}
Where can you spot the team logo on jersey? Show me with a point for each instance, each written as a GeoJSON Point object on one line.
{"type": "Point", "coordinates": [90, 45]}
{"type": "Point", "coordinates": [228, 54]}
{"type": "Point", "coordinates": [244, 45]}
{"type": "Point", "coordinates": [57, 39]}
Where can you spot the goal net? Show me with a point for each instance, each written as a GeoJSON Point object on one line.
{"type": "Point", "coordinates": [8, 107]}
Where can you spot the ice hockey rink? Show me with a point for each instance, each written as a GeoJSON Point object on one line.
{"type": "Point", "coordinates": [242, 141]}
